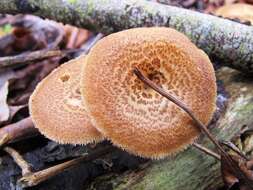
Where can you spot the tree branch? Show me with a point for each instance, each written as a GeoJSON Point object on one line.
{"type": "Point", "coordinates": [225, 40]}
{"type": "Point", "coordinates": [16, 131]}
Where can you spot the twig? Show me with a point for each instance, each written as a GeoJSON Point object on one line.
{"type": "Point", "coordinates": [16, 131]}
{"type": "Point", "coordinates": [4, 139]}
{"type": "Point", "coordinates": [25, 58]}
{"type": "Point", "coordinates": [234, 166]}
{"type": "Point", "coordinates": [25, 167]}
{"type": "Point", "coordinates": [207, 151]}
{"type": "Point", "coordinates": [88, 45]}
{"type": "Point", "coordinates": [231, 146]}
{"type": "Point", "coordinates": [35, 178]}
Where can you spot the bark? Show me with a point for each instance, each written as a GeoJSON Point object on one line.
{"type": "Point", "coordinates": [224, 40]}
{"type": "Point", "coordinates": [192, 169]}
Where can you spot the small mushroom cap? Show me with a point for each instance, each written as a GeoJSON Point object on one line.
{"type": "Point", "coordinates": [240, 11]}
{"type": "Point", "coordinates": [56, 108]}
{"type": "Point", "coordinates": [132, 115]}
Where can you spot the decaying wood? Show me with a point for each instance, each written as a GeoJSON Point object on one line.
{"type": "Point", "coordinates": [192, 169]}
{"type": "Point", "coordinates": [224, 40]}
{"type": "Point", "coordinates": [34, 178]}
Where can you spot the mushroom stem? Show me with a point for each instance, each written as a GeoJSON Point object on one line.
{"type": "Point", "coordinates": [233, 165]}
{"type": "Point", "coordinates": [35, 178]}
{"type": "Point", "coordinates": [25, 167]}
{"type": "Point", "coordinates": [207, 151]}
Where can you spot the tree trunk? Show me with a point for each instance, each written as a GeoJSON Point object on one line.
{"type": "Point", "coordinates": [227, 41]}
{"type": "Point", "coordinates": [192, 169]}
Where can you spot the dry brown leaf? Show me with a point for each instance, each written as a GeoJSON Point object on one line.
{"type": "Point", "coordinates": [75, 37]}
{"type": "Point", "coordinates": [241, 11]}
{"type": "Point", "coordinates": [31, 33]}
{"type": "Point", "coordinates": [4, 84]}
{"type": "Point", "coordinates": [4, 108]}
{"type": "Point", "coordinates": [242, 178]}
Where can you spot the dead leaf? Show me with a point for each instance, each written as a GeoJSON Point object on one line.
{"type": "Point", "coordinates": [249, 1]}
{"type": "Point", "coordinates": [30, 33]}
{"type": "Point", "coordinates": [75, 37]}
{"type": "Point", "coordinates": [27, 78]}
{"type": "Point", "coordinates": [4, 84]}
{"type": "Point", "coordinates": [4, 109]}
{"type": "Point", "coordinates": [241, 11]}
{"type": "Point", "coordinates": [240, 178]}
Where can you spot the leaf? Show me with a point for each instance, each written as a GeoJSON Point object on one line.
{"type": "Point", "coordinates": [243, 12]}
{"type": "Point", "coordinates": [4, 84]}
{"type": "Point", "coordinates": [4, 108]}
{"type": "Point", "coordinates": [242, 178]}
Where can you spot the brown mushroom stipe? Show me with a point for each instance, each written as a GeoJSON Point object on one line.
{"type": "Point", "coordinates": [132, 115]}
{"type": "Point", "coordinates": [56, 107]}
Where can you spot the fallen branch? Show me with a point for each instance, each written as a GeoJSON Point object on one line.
{"type": "Point", "coordinates": [35, 178]}
{"type": "Point", "coordinates": [25, 58]}
{"type": "Point", "coordinates": [225, 40]}
{"type": "Point", "coordinates": [16, 131]}
{"type": "Point", "coordinates": [207, 151]}
{"type": "Point", "coordinates": [25, 167]}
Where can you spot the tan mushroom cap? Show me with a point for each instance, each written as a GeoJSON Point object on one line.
{"type": "Point", "coordinates": [132, 115]}
{"type": "Point", "coordinates": [56, 107]}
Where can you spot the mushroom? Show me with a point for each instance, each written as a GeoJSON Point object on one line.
{"type": "Point", "coordinates": [240, 11]}
{"type": "Point", "coordinates": [131, 114]}
{"type": "Point", "coordinates": [56, 108]}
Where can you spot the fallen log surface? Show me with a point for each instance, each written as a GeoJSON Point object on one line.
{"type": "Point", "coordinates": [192, 169]}
{"type": "Point", "coordinates": [224, 40]}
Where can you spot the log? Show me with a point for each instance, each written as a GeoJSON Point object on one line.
{"type": "Point", "coordinates": [226, 41]}
{"type": "Point", "coordinates": [192, 169]}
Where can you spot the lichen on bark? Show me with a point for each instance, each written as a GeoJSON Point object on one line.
{"type": "Point", "coordinates": [229, 42]}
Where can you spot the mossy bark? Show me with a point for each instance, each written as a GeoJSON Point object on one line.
{"type": "Point", "coordinates": [227, 41]}
{"type": "Point", "coordinates": [192, 169]}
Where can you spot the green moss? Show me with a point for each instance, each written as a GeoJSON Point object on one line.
{"type": "Point", "coordinates": [6, 29]}
{"type": "Point", "coordinates": [90, 7]}
{"type": "Point", "coordinates": [72, 1]}
{"type": "Point", "coordinates": [247, 108]}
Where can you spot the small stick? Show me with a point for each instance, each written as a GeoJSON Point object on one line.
{"type": "Point", "coordinates": [24, 58]}
{"type": "Point", "coordinates": [16, 131]}
{"type": "Point", "coordinates": [234, 167]}
{"type": "Point", "coordinates": [207, 151]}
{"type": "Point", "coordinates": [35, 178]}
{"type": "Point", "coordinates": [88, 45]}
{"type": "Point", "coordinates": [231, 146]}
{"type": "Point", "coordinates": [179, 103]}
{"type": "Point", "coordinates": [4, 139]}
{"type": "Point", "coordinates": [25, 167]}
